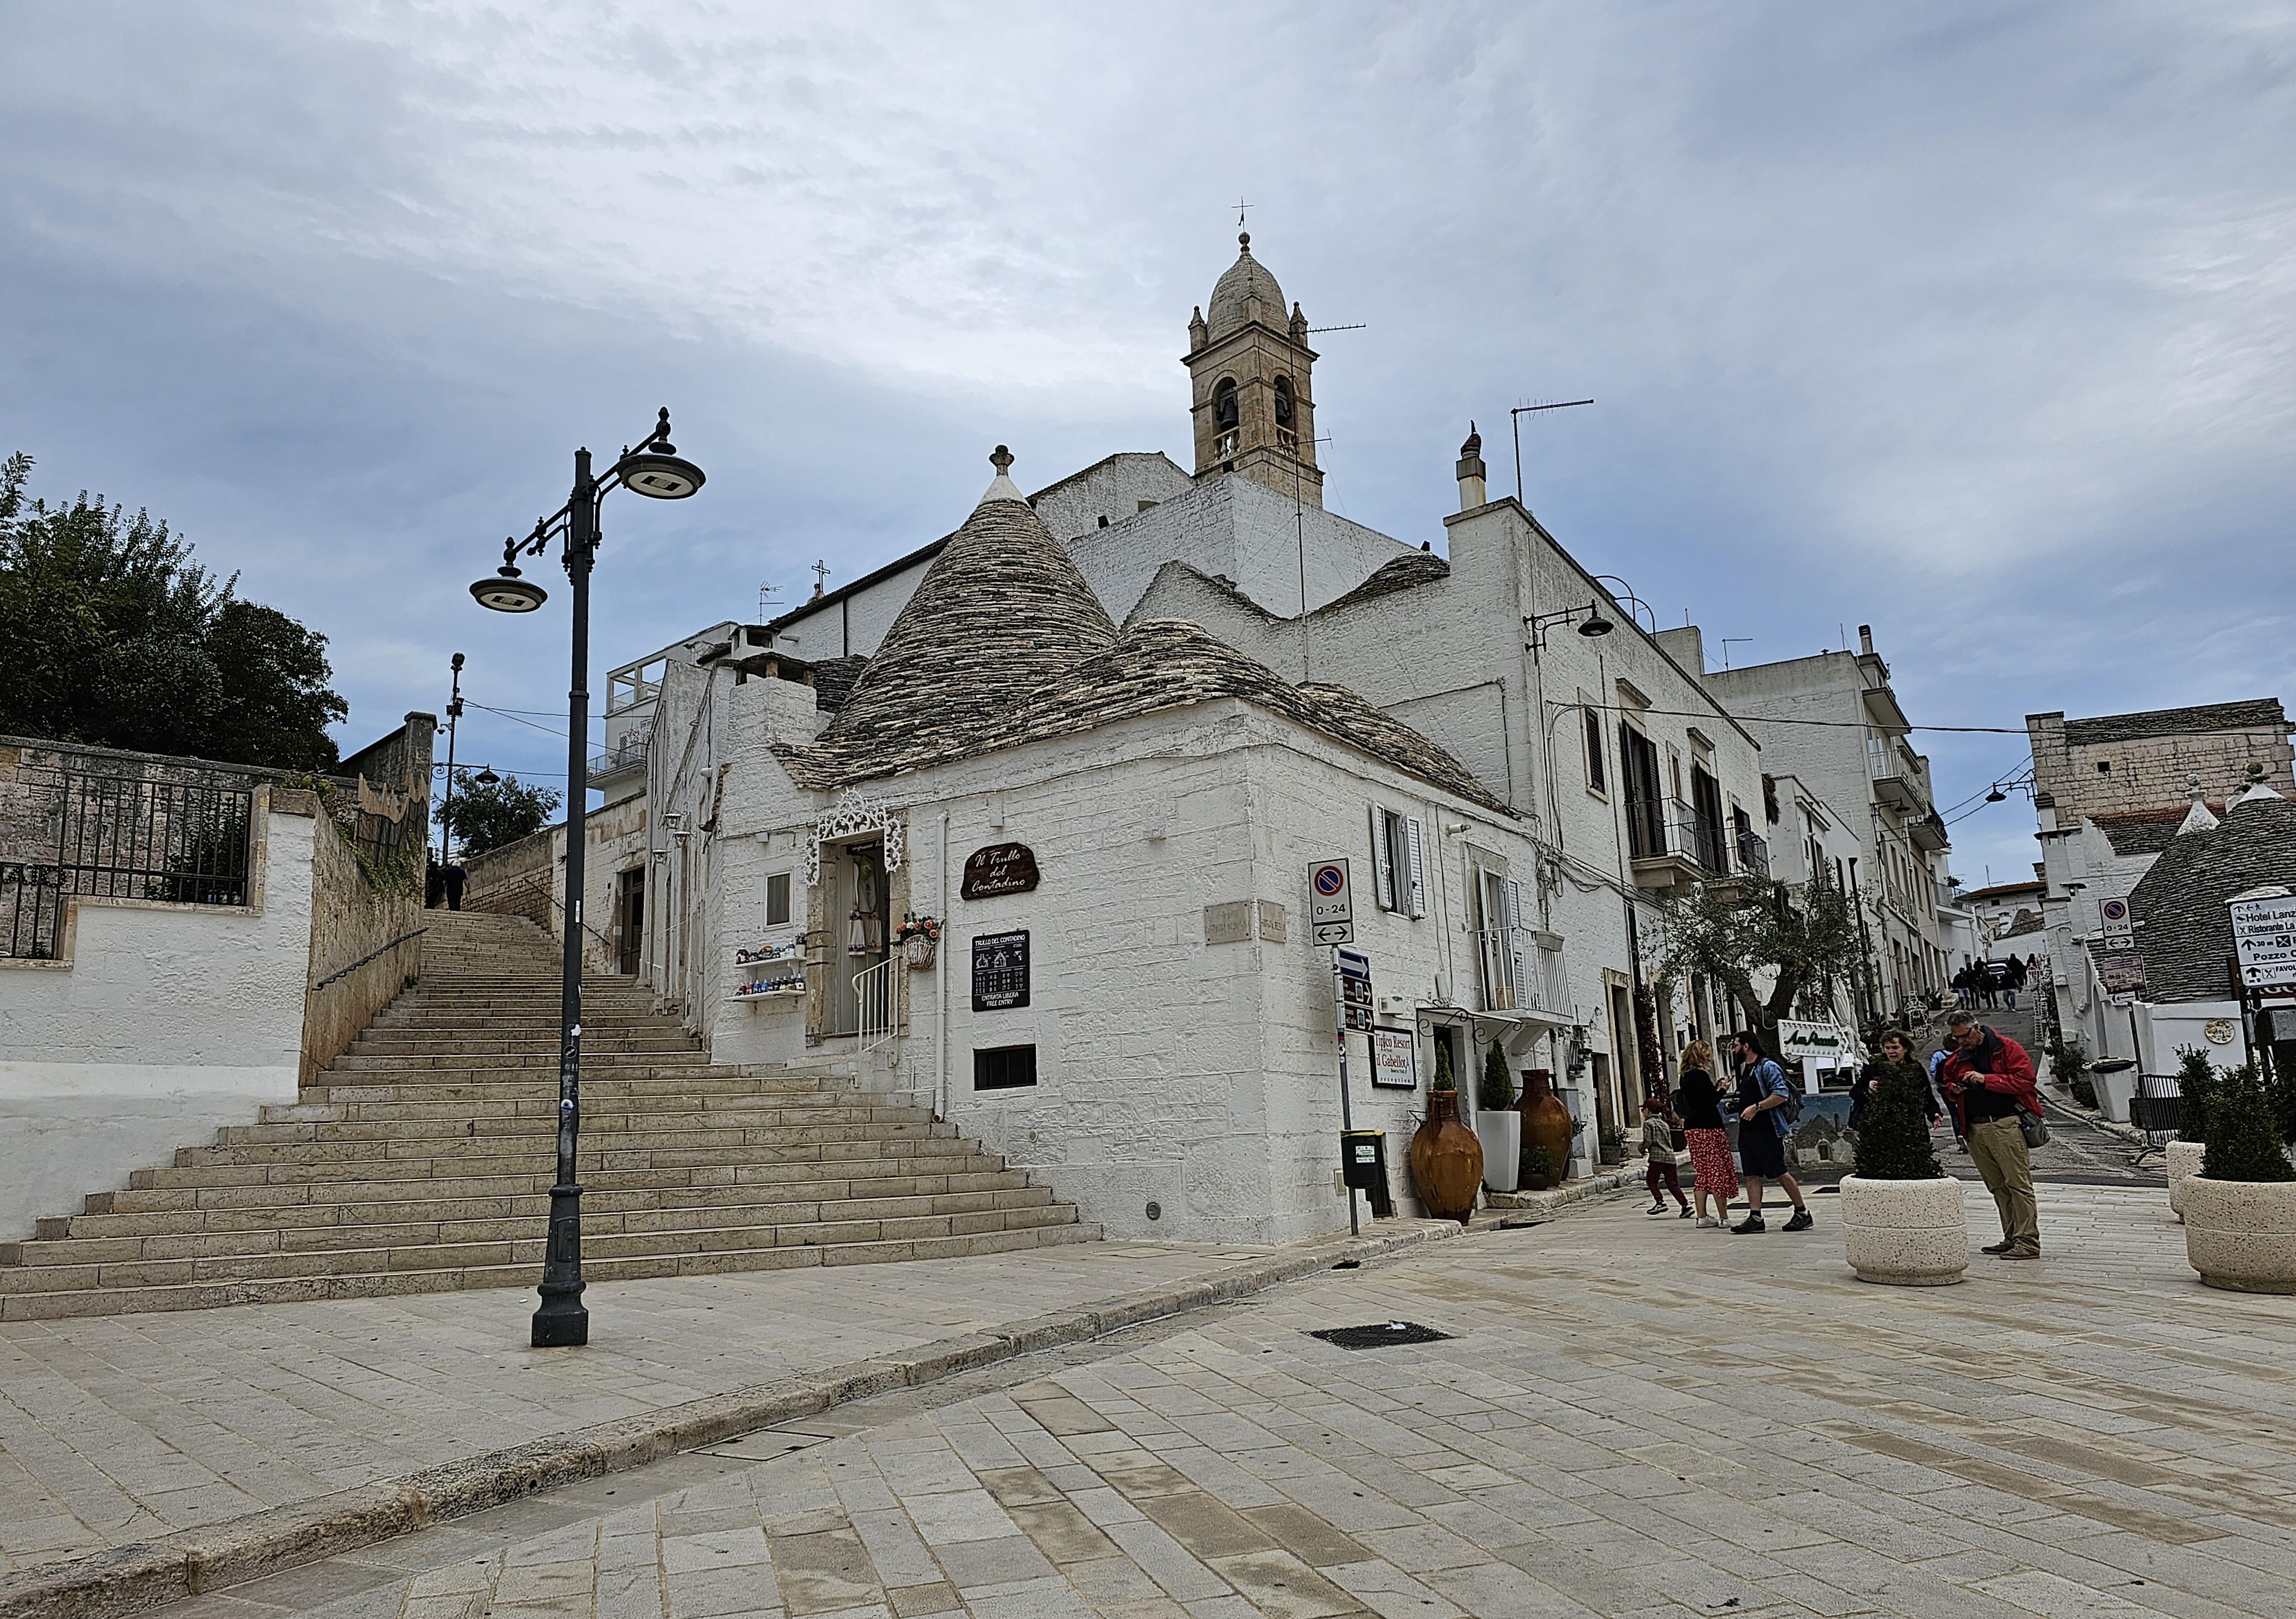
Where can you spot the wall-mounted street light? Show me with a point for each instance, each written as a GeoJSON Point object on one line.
{"type": "Point", "coordinates": [655, 470]}
{"type": "Point", "coordinates": [1593, 626]}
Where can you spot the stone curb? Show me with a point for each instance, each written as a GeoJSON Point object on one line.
{"type": "Point", "coordinates": [127, 1578]}
{"type": "Point", "coordinates": [1560, 1196]}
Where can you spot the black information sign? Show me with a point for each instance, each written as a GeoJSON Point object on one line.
{"type": "Point", "coordinates": [1001, 868]}
{"type": "Point", "coordinates": [1000, 971]}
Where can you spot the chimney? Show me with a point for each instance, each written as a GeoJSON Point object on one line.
{"type": "Point", "coordinates": [1471, 487]}
{"type": "Point", "coordinates": [1866, 639]}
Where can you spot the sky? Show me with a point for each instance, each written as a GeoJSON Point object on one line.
{"type": "Point", "coordinates": [1970, 322]}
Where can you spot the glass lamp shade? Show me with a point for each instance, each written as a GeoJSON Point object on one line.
{"type": "Point", "coordinates": [661, 477]}
{"type": "Point", "coordinates": [507, 593]}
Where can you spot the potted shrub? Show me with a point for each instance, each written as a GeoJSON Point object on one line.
{"type": "Point", "coordinates": [1903, 1221]}
{"type": "Point", "coordinates": [1612, 1143]}
{"type": "Point", "coordinates": [1537, 1169]}
{"type": "Point", "coordinates": [1498, 1125]}
{"type": "Point", "coordinates": [2069, 1067]}
{"type": "Point", "coordinates": [1447, 1161]}
{"type": "Point", "coordinates": [2240, 1210]}
{"type": "Point", "coordinates": [2196, 1083]}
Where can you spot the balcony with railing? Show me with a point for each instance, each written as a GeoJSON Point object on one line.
{"type": "Point", "coordinates": [1520, 979]}
{"type": "Point", "coordinates": [624, 753]}
{"type": "Point", "coordinates": [1668, 841]}
{"type": "Point", "coordinates": [1754, 855]}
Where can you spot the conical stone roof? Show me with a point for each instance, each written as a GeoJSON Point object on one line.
{"type": "Point", "coordinates": [1001, 615]}
{"type": "Point", "coordinates": [1247, 292]}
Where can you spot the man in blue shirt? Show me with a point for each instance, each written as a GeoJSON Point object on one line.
{"type": "Point", "coordinates": [1762, 1100]}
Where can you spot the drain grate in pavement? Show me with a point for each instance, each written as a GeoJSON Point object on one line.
{"type": "Point", "coordinates": [1381, 1336]}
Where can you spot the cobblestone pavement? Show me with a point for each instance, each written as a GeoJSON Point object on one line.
{"type": "Point", "coordinates": [117, 1428]}
{"type": "Point", "coordinates": [1635, 1419]}
{"type": "Point", "coordinates": [2078, 1154]}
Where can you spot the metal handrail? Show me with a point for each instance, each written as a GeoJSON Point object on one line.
{"type": "Point", "coordinates": [875, 994]}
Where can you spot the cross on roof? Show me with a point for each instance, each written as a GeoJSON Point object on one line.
{"type": "Point", "coordinates": [1240, 206]}
{"type": "Point", "coordinates": [820, 576]}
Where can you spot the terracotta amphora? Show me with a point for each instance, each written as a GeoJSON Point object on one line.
{"type": "Point", "coordinates": [1546, 1121]}
{"type": "Point", "coordinates": [1447, 1161]}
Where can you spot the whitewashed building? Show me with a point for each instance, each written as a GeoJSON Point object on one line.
{"type": "Point", "coordinates": [1126, 999]}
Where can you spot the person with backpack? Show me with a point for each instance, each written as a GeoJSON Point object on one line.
{"type": "Point", "coordinates": [1766, 1109]}
{"type": "Point", "coordinates": [1988, 1083]}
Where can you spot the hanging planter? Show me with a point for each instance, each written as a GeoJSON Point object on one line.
{"type": "Point", "coordinates": [918, 939]}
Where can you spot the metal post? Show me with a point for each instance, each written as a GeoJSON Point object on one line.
{"type": "Point", "coordinates": [561, 1321]}
{"type": "Point", "coordinates": [454, 719]}
{"type": "Point", "coordinates": [1346, 1107]}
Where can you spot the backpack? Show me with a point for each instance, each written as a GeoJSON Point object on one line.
{"type": "Point", "coordinates": [1792, 1108]}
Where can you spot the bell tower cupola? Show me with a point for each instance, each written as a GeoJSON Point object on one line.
{"type": "Point", "coordinates": [1249, 367]}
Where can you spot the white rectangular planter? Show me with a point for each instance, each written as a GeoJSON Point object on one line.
{"type": "Point", "coordinates": [2112, 1093]}
{"type": "Point", "coordinates": [1500, 1130]}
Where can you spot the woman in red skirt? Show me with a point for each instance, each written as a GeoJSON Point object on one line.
{"type": "Point", "coordinates": [1712, 1174]}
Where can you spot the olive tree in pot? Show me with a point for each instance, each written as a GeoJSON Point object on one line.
{"type": "Point", "coordinates": [1903, 1222]}
{"type": "Point", "coordinates": [2196, 1083]}
{"type": "Point", "coordinates": [1498, 1125]}
{"type": "Point", "coordinates": [2240, 1210]}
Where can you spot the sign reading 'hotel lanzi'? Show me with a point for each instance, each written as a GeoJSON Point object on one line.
{"type": "Point", "coordinates": [1001, 868]}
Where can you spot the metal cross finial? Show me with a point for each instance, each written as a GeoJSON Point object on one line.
{"type": "Point", "coordinates": [820, 576]}
{"type": "Point", "coordinates": [1240, 206]}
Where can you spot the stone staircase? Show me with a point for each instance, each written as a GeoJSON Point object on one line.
{"type": "Point", "coordinates": [423, 1163]}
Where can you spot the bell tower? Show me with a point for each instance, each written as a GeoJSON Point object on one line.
{"type": "Point", "coordinates": [1249, 370]}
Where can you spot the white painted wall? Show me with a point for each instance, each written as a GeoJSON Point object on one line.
{"type": "Point", "coordinates": [169, 1021]}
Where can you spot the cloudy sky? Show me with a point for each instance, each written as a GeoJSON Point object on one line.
{"type": "Point", "coordinates": [1969, 322]}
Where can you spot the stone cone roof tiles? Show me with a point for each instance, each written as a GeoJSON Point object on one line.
{"type": "Point", "coordinates": [1246, 292]}
{"type": "Point", "coordinates": [1002, 611]}
{"type": "Point", "coordinates": [2183, 929]}
{"type": "Point", "coordinates": [1003, 643]}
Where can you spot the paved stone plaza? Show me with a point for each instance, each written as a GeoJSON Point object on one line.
{"type": "Point", "coordinates": [1635, 1419]}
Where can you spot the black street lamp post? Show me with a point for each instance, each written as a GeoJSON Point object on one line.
{"type": "Point", "coordinates": [446, 810]}
{"type": "Point", "coordinates": [653, 469]}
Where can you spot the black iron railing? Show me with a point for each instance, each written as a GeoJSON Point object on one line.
{"type": "Point", "coordinates": [125, 838]}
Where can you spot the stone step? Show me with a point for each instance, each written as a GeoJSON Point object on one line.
{"type": "Point", "coordinates": [209, 1295]}
{"type": "Point", "coordinates": [630, 1229]}
{"type": "Point", "coordinates": [373, 1166]}
{"type": "Point", "coordinates": [1011, 1188]}
{"type": "Point", "coordinates": [631, 1148]}
{"type": "Point", "coordinates": [644, 1125]}
{"type": "Point", "coordinates": [961, 1168]}
{"type": "Point", "coordinates": [451, 1091]}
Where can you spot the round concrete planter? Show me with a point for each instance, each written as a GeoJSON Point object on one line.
{"type": "Point", "coordinates": [2184, 1162]}
{"type": "Point", "coordinates": [1904, 1233]}
{"type": "Point", "coordinates": [2242, 1234]}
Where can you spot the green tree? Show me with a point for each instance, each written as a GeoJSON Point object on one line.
{"type": "Point", "coordinates": [1736, 932]}
{"type": "Point", "coordinates": [487, 815]}
{"type": "Point", "coordinates": [2197, 1083]}
{"type": "Point", "coordinates": [111, 635]}
{"type": "Point", "coordinates": [1496, 1091]}
{"type": "Point", "coordinates": [1893, 1131]}
{"type": "Point", "coordinates": [2243, 1136]}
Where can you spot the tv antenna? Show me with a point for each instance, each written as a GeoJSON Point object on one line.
{"type": "Point", "coordinates": [1359, 326]}
{"type": "Point", "coordinates": [765, 600]}
{"type": "Point", "coordinates": [1515, 420]}
{"type": "Point", "coordinates": [1729, 641]}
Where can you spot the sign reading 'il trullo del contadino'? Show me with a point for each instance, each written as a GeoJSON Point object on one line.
{"type": "Point", "coordinates": [1001, 868]}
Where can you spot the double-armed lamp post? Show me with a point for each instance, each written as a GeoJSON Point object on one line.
{"type": "Point", "coordinates": [653, 469]}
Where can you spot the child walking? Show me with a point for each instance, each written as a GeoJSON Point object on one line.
{"type": "Point", "coordinates": [1658, 1147]}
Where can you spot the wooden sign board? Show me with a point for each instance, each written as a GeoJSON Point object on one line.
{"type": "Point", "coordinates": [1001, 868]}
{"type": "Point", "coordinates": [1000, 971]}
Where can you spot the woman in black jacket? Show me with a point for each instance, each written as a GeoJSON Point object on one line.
{"type": "Point", "coordinates": [1711, 1172]}
{"type": "Point", "coordinates": [1895, 1046]}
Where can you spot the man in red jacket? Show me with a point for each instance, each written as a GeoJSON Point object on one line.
{"type": "Point", "coordinates": [1989, 1080]}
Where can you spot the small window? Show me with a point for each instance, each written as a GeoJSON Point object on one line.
{"type": "Point", "coordinates": [1596, 781]}
{"type": "Point", "coordinates": [777, 900]}
{"type": "Point", "coordinates": [1003, 1067]}
{"type": "Point", "coordinates": [1103, 523]}
{"type": "Point", "coordinates": [2104, 767]}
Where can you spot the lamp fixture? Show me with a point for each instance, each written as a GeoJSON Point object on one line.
{"type": "Point", "coordinates": [1596, 624]}
{"type": "Point", "coordinates": [487, 777]}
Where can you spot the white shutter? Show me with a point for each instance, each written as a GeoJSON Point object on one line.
{"type": "Point", "coordinates": [1383, 861]}
{"type": "Point", "coordinates": [1515, 957]}
{"type": "Point", "coordinates": [1417, 848]}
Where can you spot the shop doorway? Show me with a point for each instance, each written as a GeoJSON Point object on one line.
{"type": "Point", "coordinates": [859, 937]}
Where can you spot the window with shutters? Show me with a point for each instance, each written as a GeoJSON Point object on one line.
{"type": "Point", "coordinates": [1597, 778]}
{"type": "Point", "coordinates": [1499, 933]}
{"type": "Point", "coordinates": [1398, 858]}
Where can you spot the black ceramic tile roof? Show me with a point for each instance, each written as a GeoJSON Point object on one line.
{"type": "Point", "coordinates": [1004, 644]}
{"type": "Point", "coordinates": [2259, 714]}
{"type": "Point", "coordinates": [2183, 929]}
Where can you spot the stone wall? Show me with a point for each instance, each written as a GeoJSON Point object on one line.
{"type": "Point", "coordinates": [518, 879]}
{"type": "Point", "coordinates": [159, 1022]}
{"type": "Point", "coordinates": [2120, 773]}
{"type": "Point", "coordinates": [366, 944]}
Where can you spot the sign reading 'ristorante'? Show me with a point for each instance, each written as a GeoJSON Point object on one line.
{"type": "Point", "coordinates": [1001, 868]}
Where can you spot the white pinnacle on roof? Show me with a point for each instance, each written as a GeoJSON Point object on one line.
{"type": "Point", "coordinates": [1002, 486]}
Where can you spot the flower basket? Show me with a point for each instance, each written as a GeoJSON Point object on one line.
{"type": "Point", "coordinates": [918, 949]}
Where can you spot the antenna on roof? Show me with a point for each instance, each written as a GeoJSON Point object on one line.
{"type": "Point", "coordinates": [1359, 326]}
{"type": "Point", "coordinates": [1727, 641]}
{"type": "Point", "coordinates": [765, 600]}
{"type": "Point", "coordinates": [1514, 419]}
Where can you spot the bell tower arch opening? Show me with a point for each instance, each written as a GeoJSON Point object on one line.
{"type": "Point", "coordinates": [1249, 369]}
